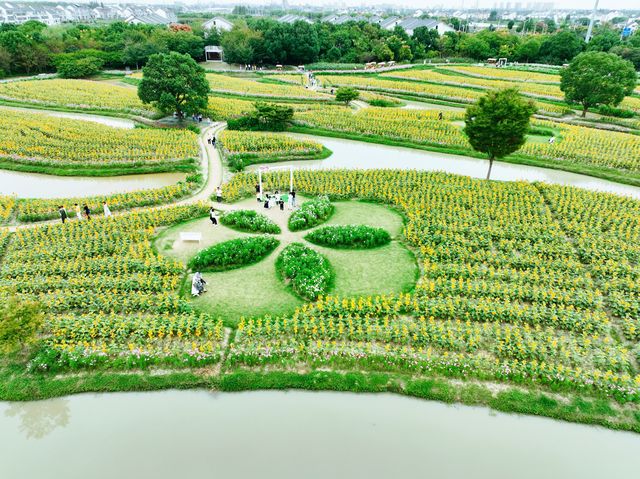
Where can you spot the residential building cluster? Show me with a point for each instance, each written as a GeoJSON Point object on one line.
{"type": "Point", "coordinates": [53, 14]}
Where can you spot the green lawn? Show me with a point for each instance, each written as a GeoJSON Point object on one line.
{"type": "Point", "coordinates": [255, 290]}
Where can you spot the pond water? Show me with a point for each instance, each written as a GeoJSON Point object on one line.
{"type": "Point", "coordinates": [34, 185]}
{"type": "Point", "coordinates": [104, 120]}
{"type": "Point", "coordinates": [277, 434]}
{"type": "Point", "coordinates": [355, 154]}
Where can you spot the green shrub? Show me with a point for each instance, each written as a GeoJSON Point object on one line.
{"type": "Point", "coordinates": [233, 254]}
{"type": "Point", "coordinates": [311, 214]}
{"type": "Point", "coordinates": [383, 103]}
{"type": "Point", "coordinates": [308, 272]}
{"type": "Point", "coordinates": [19, 323]}
{"type": "Point", "coordinates": [249, 220]}
{"type": "Point", "coordinates": [349, 236]}
{"type": "Point", "coordinates": [607, 110]}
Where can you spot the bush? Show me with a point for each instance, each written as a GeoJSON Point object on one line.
{"type": "Point", "coordinates": [383, 103]}
{"type": "Point", "coordinates": [249, 220]}
{"type": "Point", "coordinates": [19, 323]}
{"type": "Point", "coordinates": [311, 214]}
{"type": "Point", "coordinates": [308, 272]}
{"type": "Point", "coordinates": [607, 110]}
{"type": "Point", "coordinates": [233, 254]}
{"type": "Point", "coordinates": [78, 67]}
{"type": "Point", "coordinates": [349, 236]}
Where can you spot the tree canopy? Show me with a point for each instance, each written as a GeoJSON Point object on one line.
{"type": "Point", "coordinates": [498, 122]}
{"type": "Point", "coordinates": [597, 78]}
{"type": "Point", "coordinates": [173, 82]}
{"type": "Point", "coordinates": [346, 95]}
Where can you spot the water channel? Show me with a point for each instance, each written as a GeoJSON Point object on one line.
{"type": "Point", "coordinates": [277, 434]}
{"type": "Point", "coordinates": [358, 155]}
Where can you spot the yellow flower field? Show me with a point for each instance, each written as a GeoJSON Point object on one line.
{"type": "Point", "coordinates": [533, 89]}
{"type": "Point", "coordinates": [245, 87]}
{"type": "Point", "coordinates": [34, 138]}
{"type": "Point", "coordinates": [241, 142]}
{"type": "Point", "coordinates": [509, 290]}
{"type": "Point", "coordinates": [419, 126]}
{"type": "Point", "coordinates": [427, 90]}
{"type": "Point", "coordinates": [506, 74]}
{"type": "Point", "coordinates": [576, 144]}
{"type": "Point", "coordinates": [81, 94]}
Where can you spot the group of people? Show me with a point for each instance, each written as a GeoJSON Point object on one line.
{"type": "Point", "coordinates": [82, 212]}
{"type": "Point", "coordinates": [198, 285]}
{"type": "Point", "coordinates": [212, 140]}
{"type": "Point", "coordinates": [276, 199]}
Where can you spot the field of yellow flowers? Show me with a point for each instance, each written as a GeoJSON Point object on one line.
{"type": "Point", "coordinates": [241, 148]}
{"type": "Point", "coordinates": [438, 91]}
{"type": "Point", "coordinates": [39, 139]}
{"type": "Point", "coordinates": [506, 292]}
{"type": "Point", "coordinates": [575, 144]}
{"type": "Point", "coordinates": [80, 94]}
{"type": "Point", "coordinates": [526, 284]}
{"type": "Point", "coordinates": [108, 297]}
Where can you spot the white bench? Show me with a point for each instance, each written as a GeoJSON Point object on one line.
{"type": "Point", "coordinates": [191, 237]}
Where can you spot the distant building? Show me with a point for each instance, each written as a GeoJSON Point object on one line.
{"type": "Point", "coordinates": [218, 23]}
{"type": "Point", "coordinates": [409, 25]}
{"type": "Point", "coordinates": [213, 53]}
{"type": "Point", "coordinates": [293, 19]}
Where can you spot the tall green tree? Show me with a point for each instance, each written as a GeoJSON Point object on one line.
{"type": "Point", "coordinates": [498, 122]}
{"type": "Point", "coordinates": [173, 82]}
{"type": "Point", "coordinates": [597, 78]}
{"type": "Point", "coordinates": [346, 95]}
{"type": "Point", "coordinates": [561, 47]}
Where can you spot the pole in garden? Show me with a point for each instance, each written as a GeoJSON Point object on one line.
{"type": "Point", "coordinates": [290, 178]}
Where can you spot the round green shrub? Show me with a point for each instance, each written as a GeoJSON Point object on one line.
{"type": "Point", "coordinates": [308, 272]}
{"type": "Point", "coordinates": [311, 213]}
{"type": "Point", "coordinates": [249, 220]}
{"type": "Point", "coordinates": [349, 236]}
{"type": "Point", "coordinates": [233, 254]}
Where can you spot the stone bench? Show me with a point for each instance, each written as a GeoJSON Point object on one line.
{"type": "Point", "coordinates": [191, 237]}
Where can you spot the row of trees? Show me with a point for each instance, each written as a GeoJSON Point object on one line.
{"type": "Point", "coordinates": [34, 48]}
{"type": "Point", "coordinates": [80, 50]}
{"type": "Point", "coordinates": [266, 41]}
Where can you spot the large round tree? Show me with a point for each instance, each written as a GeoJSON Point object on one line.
{"type": "Point", "coordinates": [597, 78]}
{"type": "Point", "coordinates": [497, 123]}
{"type": "Point", "coordinates": [173, 82]}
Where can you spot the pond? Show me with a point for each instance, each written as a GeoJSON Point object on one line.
{"type": "Point", "coordinates": [356, 154]}
{"type": "Point", "coordinates": [296, 434]}
{"type": "Point", "coordinates": [35, 185]}
{"type": "Point", "coordinates": [103, 120]}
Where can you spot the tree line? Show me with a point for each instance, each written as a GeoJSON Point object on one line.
{"type": "Point", "coordinates": [80, 50]}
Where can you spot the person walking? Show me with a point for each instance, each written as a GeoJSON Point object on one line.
{"type": "Point", "coordinates": [213, 141]}
{"type": "Point", "coordinates": [219, 194]}
{"type": "Point", "coordinates": [107, 211]}
{"type": "Point", "coordinates": [212, 216]}
{"type": "Point", "coordinates": [87, 211]}
{"type": "Point", "coordinates": [293, 198]}
{"type": "Point", "coordinates": [63, 213]}
{"type": "Point", "coordinates": [76, 206]}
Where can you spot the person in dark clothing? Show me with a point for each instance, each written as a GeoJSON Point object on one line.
{"type": "Point", "coordinates": [212, 216]}
{"type": "Point", "coordinates": [439, 115]}
{"type": "Point", "coordinates": [87, 211]}
{"type": "Point", "coordinates": [293, 198]}
{"type": "Point", "coordinates": [63, 213]}
{"type": "Point", "coordinates": [213, 141]}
